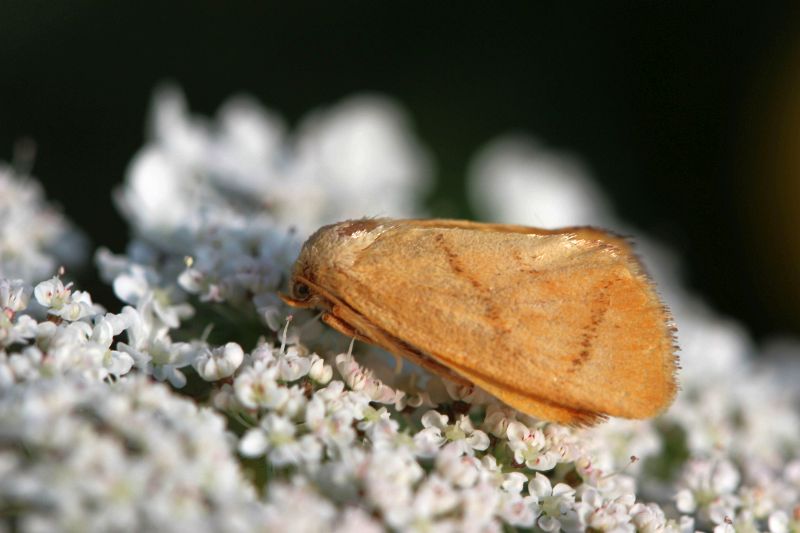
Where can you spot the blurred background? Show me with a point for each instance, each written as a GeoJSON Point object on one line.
{"type": "Point", "coordinates": [687, 114]}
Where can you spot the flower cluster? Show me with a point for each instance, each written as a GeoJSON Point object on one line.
{"type": "Point", "coordinates": [182, 410]}
{"type": "Point", "coordinates": [35, 239]}
{"type": "Point", "coordinates": [238, 197]}
{"type": "Point", "coordinates": [90, 456]}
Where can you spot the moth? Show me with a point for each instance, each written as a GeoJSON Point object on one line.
{"type": "Point", "coordinates": [562, 324]}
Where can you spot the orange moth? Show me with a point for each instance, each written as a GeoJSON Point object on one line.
{"type": "Point", "coordinates": [561, 324]}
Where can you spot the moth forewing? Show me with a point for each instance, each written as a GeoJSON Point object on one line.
{"type": "Point", "coordinates": [561, 325]}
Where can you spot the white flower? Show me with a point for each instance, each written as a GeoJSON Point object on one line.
{"type": "Point", "coordinates": [378, 425]}
{"type": "Point", "coordinates": [513, 482]}
{"type": "Point", "coordinates": [257, 386]}
{"type": "Point", "coordinates": [218, 363]}
{"type": "Point", "coordinates": [131, 456]}
{"type": "Point", "coordinates": [361, 160]}
{"type": "Point", "coordinates": [61, 301]}
{"type": "Point", "coordinates": [139, 286]}
{"type": "Point", "coordinates": [459, 469]}
{"type": "Point", "coordinates": [105, 329]}
{"type": "Point", "coordinates": [292, 366]}
{"type": "Point", "coordinates": [78, 308]}
{"type": "Point", "coordinates": [52, 293]}
{"type": "Point", "coordinates": [520, 511]}
{"type": "Point", "coordinates": [514, 180]}
{"type": "Point", "coordinates": [161, 358]}
{"type": "Point", "coordinates": [152, 349]}
{"type": "Point", "coordinates": [480, 505]}
{"type": "Point", "coordinates": [14, 295]}
{"type": "Point", "coordinates": [685, 501]}
{"type": "Point", "coordinates": [296, 506]}
{"type": "Point", "coordinates": [16, 329]}
{"type": "Point", "coordinates": [336, 398]}
{"type": "Point", "coordinates": [530, 447]}
{"type": "Point", "coordinates": [704, 481]}
{"type": "Point", "coordinates": [435, 496]}
{"type": "Point", "coordinates": [35, 239]}
{"type": "Point", "coordinates": [354, 519]}
{"type": "Point", "coordinates": [265, 354]}
{"type": "Point", "coordinates": [605, 514]}
{"type": "Point", "coordinates": [319, 370]}
{"type": "Point", "coordinates": [274, 431]}
{"type": "Point", "coordinates": [331, 412]}
{"type": "Point", "coordinates": [362, 379]}
{"type": "Point", "coordinates": [498, 417]}
{"type": "Point", "coordinates": [389, 477]}
{"type": "Point", "coordinates": [779, 522]}
{"type": "Point", "coordinates": [556, 503]}
{"type": "Point", "coordinates": [275, 436]}
{"type": "Point", "coordinates": [437, 431]}
{"type": "Point", "coordinates": [466, 393]}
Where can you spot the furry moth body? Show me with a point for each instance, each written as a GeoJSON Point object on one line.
{"type": "Point", "coordinates": [560, 324]}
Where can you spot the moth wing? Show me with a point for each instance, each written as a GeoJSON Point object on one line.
{"type": "Point", "coordinates": [543, 319]}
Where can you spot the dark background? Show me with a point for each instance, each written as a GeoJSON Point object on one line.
{"type": "Point", "coordinates": [682, 110]}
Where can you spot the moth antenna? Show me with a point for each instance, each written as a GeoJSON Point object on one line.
{"type": "Point", "coordinates": [285, 331]}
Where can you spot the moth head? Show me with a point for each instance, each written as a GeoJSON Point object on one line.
{"type": "Point", "coordinates": [330, 249]}
{"type": "Point", "coordinates": [300, 294]}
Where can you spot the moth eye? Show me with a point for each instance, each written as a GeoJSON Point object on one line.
{"type": "Point", "coordinates": [301, 291]}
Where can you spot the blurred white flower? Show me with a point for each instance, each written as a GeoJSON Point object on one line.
{"type": "Point", "coordinates": [139, 286]}
{"type": "Point", "coordinates": [14, 295]}
{"type": "Point", "coordinates": [709, 485]}
{"type": "Point", "coordinates": [131, 456]}
{"type": "Point", "coordinates": [362, 159]}
{"type": "Point", "coordinates": [231, 195]}
{"type": "Point", "coordinates": [514, 180]}
{"type": "Point", "coordinates": [35, 238]}
{"type": "Point", "coordinates": [275, 436]}
{"type": "Point", "coordinates": [14, 327]}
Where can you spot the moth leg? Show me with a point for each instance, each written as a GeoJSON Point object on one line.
{"type": "Point", "coordinates": [346, 329]}
{"type": "Point", "coordinates": [370, 334]}
{"type": "Point", "coordinates": [396, 346]}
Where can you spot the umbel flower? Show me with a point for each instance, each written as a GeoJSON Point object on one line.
{"type": "Point", "coordinates": [196, 404]}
